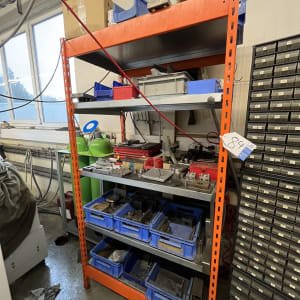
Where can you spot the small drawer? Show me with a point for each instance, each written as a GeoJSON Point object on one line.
{"type": "Point", "coordinates": [287, 196]}
{"type": "Point", "coordinates": [281, 234]}
{"type": "Point", "coordinates": [297, 80]}
{"type": "Point", "coordinates": [258, 117]}
{"type": "Point", "coordinates": [264, 61]}
{"type": "Point", "coordinates": [246, 228]}
{"type": "Point", "coordinates": [255, 295]}
{"type": "Point", "coordinates": [260, 214]}
{"type": "Point", "coordinates": [256, 137]}
{"type": "Point", "coordinates": [280, 105]}
{"type": "Point", "coordinates": [260, 243]}
{"type": "Point", "coordinates": [283, 82]}
{"type": "Point", "coordinates": [241, 258]}
{"type": "Point", "coordinates": [282, 94]}
{"type": "Point", "coordinates": [275, 149]}
{"type": "Point", "coordinates": [247, 212]}
{"type": "Point", "coordinates": [273, 159]}
{"type": "Point", "coordinates": [294, 259]}
{"type": "Point", "coordinates": [253, 127]}
{"type": "Point", "coordinates": [236, 295]}
{"type": "Point", "coordinates": [244, 289]}
{"type": "Point", "coordinates": [257, 267]}
{"type": "Point", "coordinates": [245, 220]}
{"type": "Point", "coordinates": [276, 138]}
{"type": "Point", "coordinates": [289, 186]}
{"type": "Point", "coordinates": [260, 96]}
{"type": "Point", "coordinates": [291, 293]}
{"type": "Point", "coordinates": [292, 150]}
{"type": "Point", "coordinates": [278, 127]}
{"type": "Point", "coordinates": [295, 104]}
{"type": "Point", "coordinates": [270, 192]}
{"type": "Point", "coordinates": [287, 57]}
{"type": "Point", "coordinates": [271, 169]}
{"type": "Point", "coordinates": [262, 290]}
{"type": "Point", "coordinates": [254, 273]}
{"type": "Point", "coordinates": [260, 148]}
{"type": "Point", "coordinates": [296, 249]}
{"type": "Point", "coordinates": [274, 275]}
{"type": "Point", "coordinates": [292, 162]}
{"type": "Point", "coordinates": [241, 277]}
{"type": "Point", "coordinates": [292, 206]}
{"type": "Point", "coordinates": [262, 84]}
{"type": "Point", "coordinates": [294, 285]}
{"type": "Point", "coordinates": [245, 237]}
{"type": "Point", "coordinates": [265, 49]}
{"type": "Point", "coordinates": [263, 73]}
{"type": "Point", "coordinates": [295, 116]}
{"type": "Point", "coordinates": [256, 156]}
{"type": "Point", "coordinates": [285, 70]}
{"type": "Point", "coordinates": [239, 265]}
{"type": "Point", "coordinates": [257, 258]}
{"type": "Point", "coordinates": [253, 166]}
{"type": "Point", "coordinates": [278, 297]}
{"type": "Point", "coordinates": [291, 172]}
{"type": "Point", "coordinates": [242, 243]}
{"type": "Point", "coordinates": [250, 178]}
{"type": "Point", "coordinates": [278, 117]}
{"type": "Point", "coordinates": [245, 194]}
{"type": "Point", "coordinates": [281, 252]}
{"type": "Point", "coordinates": [273, 283]}
{"type": "Point", "coordinates": [249, 187]}
{"type": "Point", "coordinates": [296, 238]}
{"type": "Point", "coordinates": [259, 251]}
{"type": "Point", "coordinates": [266, 200]}
{"type": "Point", "coordinates": [289, 44]}
{"type": "Point", "coordinates": [294, 128]}
{"type": "Point", "coordinates": [259, 106]}
{"type": "Point", "coordinates": [277, 260]}
{"type": "Point", "coordinates": [262, 226]}
{"type": "Point", "coordinates": [261, 235]}
{"type": "Point", "coordinates": [293, 140]}
{"type": "Point", "coordinates": [297, 93]}
{"type": "Point", "coordinates": [292, 276]}
{"type": "Point", "coordinates": [286, 215]}
{"type": "Point", "coordinates": [296, 228]}
{"type": "Point", "coordinates": [268, 182]}
{"type": "Point", "coordinates": [283, 225]}
{"type": "Point", "coordinates": [273, 267]}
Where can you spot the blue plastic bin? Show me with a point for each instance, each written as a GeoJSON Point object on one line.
{"type": "Point", "coordinates": [138, 266]}
{"type": "Point", "coordinates": [104, 264]}
{"type": "Point", "coordinates": [139, 8]}
{"type": "Point", "coordinates": [177, 245]}
{"type": "Point", "coordinates": [103, 92]}
{"type": "Point", "coordinates": [99, 218]}
{"type": "Point", "coordinates": [242, 12]}
{"type": "Point", "coordinates": [156, 293]}
{"type": "Point", "coordinates": [205, 86]}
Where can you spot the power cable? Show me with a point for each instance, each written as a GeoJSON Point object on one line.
{"type": "Point", "coordinates": [104, 77]}
{"type": "Point", "coordinates": [30, 100]}
{"type": "Point", "coordinates": [115, 63]}
{"type": "Point", "coordinates": [137, 129]}
{"type": "Point", "coordinates": [20, 23]}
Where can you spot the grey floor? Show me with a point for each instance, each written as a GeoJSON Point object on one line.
{"type": "Point", "coordinates": [61, 266]}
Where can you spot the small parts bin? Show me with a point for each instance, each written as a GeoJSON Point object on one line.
{"type": "Point", "coordinates": [124, 92]}
{"type": "Point", "coordinates": [109, 256]}
{"type": "Point", "coordinates": [139, 8]}
{"type": "Point", "coordinates": [204, 86]}
{"type": "Point", "coordinates": [168, 282]}
{"type": "Point", "coordinates": [103, 92]}
{"type": "Point", "coordinates": [176, 229]}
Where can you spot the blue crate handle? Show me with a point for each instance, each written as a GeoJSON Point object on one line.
{"type": "Point", "coordinates": [160, 297]}
{"type": "Point", "coordinates": [97, 216]}
{"type": "Point", "coordinates": [169, 242]}
{"type": "Point", "coordinates": [116, 84]}
{"type": "Point", "coordinates": [130, 227]}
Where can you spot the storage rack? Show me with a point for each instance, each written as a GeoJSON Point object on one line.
{"type": "Point", "coordinates": [266, 259]}
{"type": "Point", "coordinates": [136, 44]}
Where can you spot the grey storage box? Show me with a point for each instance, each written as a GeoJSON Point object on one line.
{"type": "Point", "coordinates": [287, 196]}
{"type": "Point", "coordinates": [262, 84]}
{"type": "Point", "coordinates": [280, 105]}
{"type": "Point", "coordinates": [294, 128]}
{"type": "Point", "coordinates": [284, 70]}
{"type": "Point", "coordinates": [261, 95]}
{"type": "Point", "coordinates": [256, 127]}
{"type": "Point", "coordinates": [289, 186]}
{"type": "Point", "coordinates": [292, 150]}
{"type": "Point", "coordinates": [278, 127]}
{"type": "Point", "coordinates": [295, 105]}
{"type": "Point", "coordinates": [284, 82]}
{"type": "Point", "coordinates": [269, 182]}
{"type": "Point", "coordinates": [258, 117]}
{"type": "Point", "coordinates": [295, 116]}
{"type": "Point", "coordinates": [275, 149]}
{"type": "Point", "coordinates": [282, 94]}
{"type": "Point", "coordinates": [259, 106]}
{"type": "Point", "coordinates": [287, 57]}
{"type": "Point", "coordinates": [289, 44]}
{"type": "Point", "coordinates": [265, 49]}
{"type": "Point", "coordinates": [164, 84]}
{"type": "Point", "coordinates": [263, 73]}
{"type": "Point", "coordinates": [264, 61]}
{"type": "Point", "coordinates": [278, 117]}
{"type": "Point", "coordinates": [266, 200]}
{"type": "Point", "coordinates": [276, 138]}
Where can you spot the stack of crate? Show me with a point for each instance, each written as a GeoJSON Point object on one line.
{"type": "Point", "coordinates": [266, 261]}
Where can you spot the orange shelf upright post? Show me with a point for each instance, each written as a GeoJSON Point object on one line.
{"type": "Point", "coordinates": [74, 159]}
{"type": "Point", "coordinates": [223, 154]}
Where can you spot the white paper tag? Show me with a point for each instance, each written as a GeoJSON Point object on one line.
{"type": "Point", "coordinates": [237, 145]}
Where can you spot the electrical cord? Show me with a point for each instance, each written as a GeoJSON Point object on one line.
{"type": "Point", "coordinates": [30, 100]}
{"type": "Point", "coordinates": [216, 136]}
{"type": "Point", "coordinates": [104, 77]}
{"type": "Point", "coordinates": [20, 23]}
{"type": "Point", "coordinates": [51, 177]}
{"type": "Point", "coordinates": [115, 63]}
{"type": "Point", "coordinates": [137, 129]}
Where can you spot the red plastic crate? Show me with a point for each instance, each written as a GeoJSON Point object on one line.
{"type": "Point", "coordinates": [124, 92]}
{"type": "Point", "coordinates": [205, 168]}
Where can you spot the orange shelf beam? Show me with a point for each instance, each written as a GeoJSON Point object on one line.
{"type": "Point", "coordinates": [114, 284]}
{"type": "Point", "coordinates": [181, 15]}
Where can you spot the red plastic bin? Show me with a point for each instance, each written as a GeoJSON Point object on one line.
{"type": "Point", "coordinates": [124, 92]}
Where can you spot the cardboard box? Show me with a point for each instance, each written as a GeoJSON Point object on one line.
{"type": "Point", "coordinates": [94, 13]}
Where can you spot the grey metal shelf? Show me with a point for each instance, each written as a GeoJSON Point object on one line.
{"type": "Point", "coordinates": [163, 103]}
{"type": "Point", "coordinates": [166, 187]}
{"type": "Point", "coordinates": [201, 263]}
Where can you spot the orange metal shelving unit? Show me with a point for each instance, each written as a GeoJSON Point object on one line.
{"type": "Point", "coordinates": [221, 15]}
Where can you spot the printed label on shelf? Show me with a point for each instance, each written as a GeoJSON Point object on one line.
{"type": "Point", "coordinates": [237, 145]}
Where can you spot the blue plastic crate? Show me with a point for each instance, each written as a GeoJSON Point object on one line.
{"type": "Point", "coordinates": [205, 86]}
{"type": "Point", "coordinates": [104, 264]}
{"type": "Point", "coordinates": [156, 293]}
{"type": "Point", "coordinates": [132, 228]}
{"type": "Point", "coordinates": [96, 217]}
{"type": "Point", "coordinates": [139, 8]}
{"type": "Point", "coordinates": [178, 245]}
{"type": "Point", "coordinates": [138, 266]}
{"type": "Point", "coordinates": [103, 92]}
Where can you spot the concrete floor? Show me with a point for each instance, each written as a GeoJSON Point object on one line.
{"type": "Point", "coordinates": [61, 266]}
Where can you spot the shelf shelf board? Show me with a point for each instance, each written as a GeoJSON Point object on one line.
{"type": "Point", "coordinates": [166, 187]}
{"type": "Point", "coordinates": [163, 103]}
{"type": "Point", "coordinates": [201, 265]}
{"type": "Point", "coordinates": [188, 30]}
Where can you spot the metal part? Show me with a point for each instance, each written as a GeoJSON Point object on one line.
{"type": "Point", "coordinates": [153, 5]}
{"type": "Point", "coordinates": [160, 175]}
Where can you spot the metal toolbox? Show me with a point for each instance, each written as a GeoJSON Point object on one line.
{"type": "Point", "coordinates": [295, 105]}
{"type": "Point", "coordinates": [278, 127]}
{"type": "Point", "coordinates": [253, 166]}
{"type": "Point", "coordinates": [285, 70]}
{"type": "Point", "coordinates": [256, 137]}
{"type": "Point", "coordinates": [297, 93]}
{"type": "Point", "coordinates": [293, 140]}
{"type": "Point", "coordinates": [265, 49]}
{"type": "Point", "coordinates": [275, 149]}
{"type": "Point", "coordinates": [271, 169]}
{"type": "Point", "coordinates": [259, 106]}
{"type": "Point", "coordinates": [278, 117]}
{"type": "Point", "coordinates": [263, 73]}
{"type": "Point", "coordinates": [282, 94]}
{"type": "Point", "coordinates": [287, 196]}
{"type": "Point", "coordinates": [258, 117]}
{"type": "Point", "coordinates": [292, 162]}
{"type": "Point", "coordinates": [289, 44]}
{"type": "Point", "coordinates": [246, 195]}
{"type": "Point", "coordinates": [253, 127]}
{"type": "Point", "coordinates": [267, 191]}
{"type": "Point", "coordinates": [287, 57]}
{"type": "Point", "coordinates": [262, 84]}
{"type": "Point", "coordinates": [266, 200]}
{"type": "Point", "coordinates": [270, 182]}
{"type": "Point", "coordinates": [264, 61]}
{"type": "Point", "coordinates": [273, 159]}
{"type": "Point", "coordinates": [276, 138]}
{"type": "Point", "coordinates": [280, 105]}
{"type": "Point", "coordinates": [260, 95]}
{"type": "Point", "coordinates": [284, 82]}
{"type": "Point", "coordinates": [289, 186]}
{"type": "Point", "coordinates": [294, 129]}
{"type": "Point", "coordinates": [295, 116]}
{"type": "Point", "coordinates": [290, 172]}
{"type": "Point", "coordinates": [164, 84]}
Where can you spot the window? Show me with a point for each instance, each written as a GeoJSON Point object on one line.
{"type": "Point", "coordinates": [28, 62]}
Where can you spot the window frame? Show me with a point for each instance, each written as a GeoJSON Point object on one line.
{"type": "Point", "coordinates": [27, 28]}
